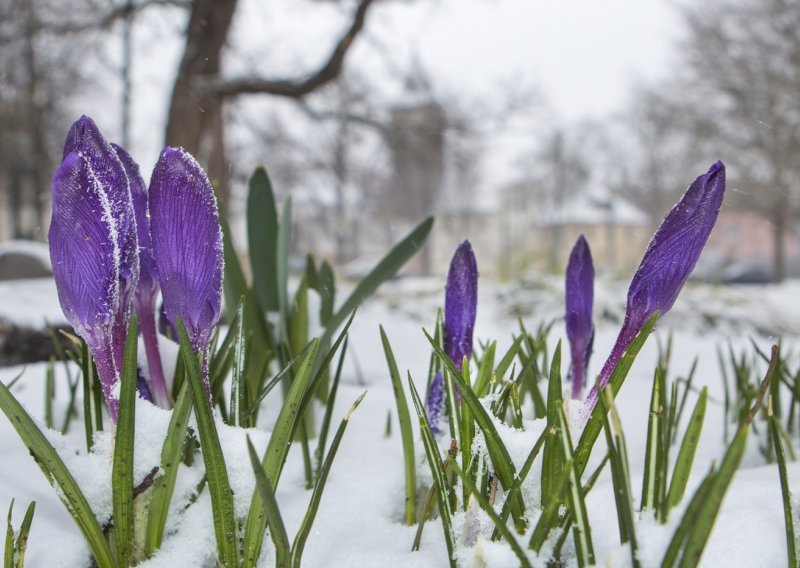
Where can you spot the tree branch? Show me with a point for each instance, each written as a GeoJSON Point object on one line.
{"type": "Point", "coordinates": [297, 88]}
{"type": "Point", "coordinates": [349, 117]}
{"type": "Point", "coordinates": [108, 19]}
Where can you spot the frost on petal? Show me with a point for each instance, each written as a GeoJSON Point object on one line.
{"type": "Point", "coordinates": [579, 300]}
{"type": "Point", "coordinates": [187, 243]}
{"type": "Point", "coordinates": [85, 138]}
{"type": "Point", "coordinates": [668, 261]}
{"type": "Point", "coordinates": [460, 304]}
{"type": "Point", "coordinates": [675, 247]}
{"type": "Point", "coordinates": [148, 280]}
{"type": "Point", "coordinates": [84, 248]}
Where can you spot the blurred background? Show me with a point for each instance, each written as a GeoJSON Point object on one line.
{"type": "Point", "coordinates": [518, 124]}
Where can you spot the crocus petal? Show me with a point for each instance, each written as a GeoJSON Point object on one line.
{"type": "Point", "coordinates": [187, 243]}
{"type": "Point", "coordinates": [85, 252]}
{"type": "Point", "coordinates": [148, 280]}
{"type": "Point", "coordinates": [86, 139]}
{"type": "Point", "coordinates": [84, 248]}
{"type": "Point", "coordinates": [435, 402]}
{"type": "Point", "coordinates": [460, 304]}
{"type": "Point", "coordinates": [579, 301]}
{"type": "Point", "coordinates": [668, 261]}
{"type": "Point", "coordinates": [675, 247]}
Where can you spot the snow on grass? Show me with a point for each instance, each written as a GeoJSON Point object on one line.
{"type": "Point", "coordinates": [360, 517]}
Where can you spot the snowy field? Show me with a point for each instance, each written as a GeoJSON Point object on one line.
{"type": "Point", "coordinates": [359, 522]}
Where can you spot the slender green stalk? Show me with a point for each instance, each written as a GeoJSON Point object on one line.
{"type": "Point", "coordinates": [213, 458]}
{"type": "Point", "coordinates": [406, 433]}
{"type": "Point", "coordinates": [277, 529]}
{"type": "Point", "coordinates": [439, 476]}
{"type": "Point", "coordinates": [122, 471]}
{"type": "Point", "coordinates": [786, 492]}
{"type": "Point", "coordinates": [316, 496]}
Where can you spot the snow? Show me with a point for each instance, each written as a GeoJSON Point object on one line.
{"type": "Point", "coordinates": [359, 519]}
{"type": "Point", "coordinates": [35, 249]}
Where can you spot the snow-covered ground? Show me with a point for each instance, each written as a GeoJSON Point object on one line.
{"type": "Point", "coordinates": [359, 521]}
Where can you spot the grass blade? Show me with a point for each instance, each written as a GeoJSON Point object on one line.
{"type": "Point", "coordinates": [382, 272]}
{"type": "Point", "coordinates": [654, 454]}
{"type": "Point", "coordinates": [685, 459]}
{"type": "Point", "coordinates": [22, 538]}
{"type": "Point", "coordinates": [170, 460]}
{"type": "Point", "coordinates": [498, 523]}
{"type": "Point", "coordinates": [274, 520]}
{"type": "Point", "coordinates": [235, 286]}
{"type": "Point", "coordinates": [439, 477]}
{"type": "Point", "coordinates": [316, 496]}
{"type": "Point", "coordinates": [501, 460]}
{"type": "Point", "coordinates": [406, 433]}
{"type": "Point", "coordinates": [581, 530]}
{"type": "Point", "coordinates": [549, 517]}
{"type": "Point", "coordinates": [520, 479]}
{"type": "Point", "coordinates": [552, 456]}
{"type": "Point", "coordinates": [277, 450]}
{"type": "Point", "coordinates": [122, 471]}
{"type": "Point", "coordinates": [238, 398]}
{"type": "Point", "coordinates": [86, 380]}
{"type": "Point", "coordinates": [57, 474]}
{"type": "Point", "coordinates": [319, 453]}
{"type": "Point", "coordinates": [595, 423]}
{"type": "Point", "coordinates": [786, 493]}
{"type": "Point", "coordinates": [282, 269]}
{"type": "Point", "coordinates": [213, 458]}
{"type": "Point", "coordinates": [709, 502]}
{"type": "Point", "coordinates": [262, 239]}
{"type": "Point", "coordinates": [8, 561]}
{"type": "Point", "coordinates": [620, 473]}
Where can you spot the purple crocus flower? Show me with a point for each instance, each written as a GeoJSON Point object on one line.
{"type": "Point", "coordinates": [460, 304]}
{"type": "Point", "coordinates": [579, 300]}
{"type": "Point", "coordinates": [669, 259]}
{"type": "Point", "coordinates": [94, 250]}
{"type": "Point", "coordinates": [187, 245]}
{"type": "Point", "coordinates": [435, 403]}
{"type": "Point", "coordinates": [144, 298]}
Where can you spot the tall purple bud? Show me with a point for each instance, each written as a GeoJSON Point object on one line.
{"type": "Point", "coordinates": [579, 300]}
{"type": "Point", "coordinates": [94, 248]}
{"type": "Point", "coordinates": [668, 261]}
{"type": "Point", "coordinates": [187, 245]}
{"type": "Point", "coordinates": [144, 298]}
{"type": "Point", "coordinates": [460, 304]}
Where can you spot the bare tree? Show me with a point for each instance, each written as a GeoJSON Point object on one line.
{"type": "Point", "coordinates": [39, 71]}
{"type": "Point", "coordinates": [742, 59]}
{"type": "Point", "coordinates": [195, 119]}
{"type": "Point", "coordinates": [650, 152]}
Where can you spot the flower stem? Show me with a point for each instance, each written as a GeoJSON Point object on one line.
{"type": "Point", "coordinates": [157, 382]}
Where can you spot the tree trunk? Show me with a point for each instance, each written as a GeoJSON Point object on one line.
{"type": "Point", "coordinates": [195, 114]}
{"type": "Point", "coordinates": [778, 244]}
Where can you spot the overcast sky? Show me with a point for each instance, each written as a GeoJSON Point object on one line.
{"type": "Point", "coordinates": [582, 55]}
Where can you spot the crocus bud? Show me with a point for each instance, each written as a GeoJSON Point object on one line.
{"type": "Point", "coordinates": [460, 304]}
{"type": "Point", "coordinates": [86, 139]}
{"type": "Point", "coordinates": [579, 299]}
{"type": "Point", "coordinates": [435, 402]}
{"type": "Point", "coordinates": [94, 250]}
{"type": "Point", "coordinates": [668, 261]}
{"type": "Point", "coordinates": [144, 298]}
{"type": "Point", "coordinates": [187, 244]}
